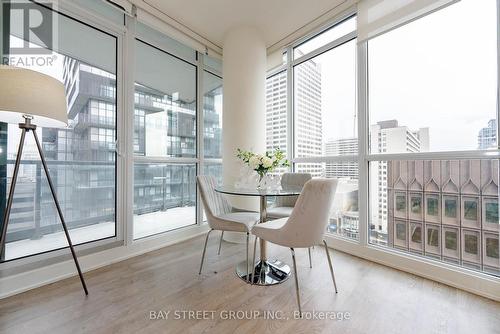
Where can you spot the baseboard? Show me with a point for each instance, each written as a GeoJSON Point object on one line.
{"type": "Point", "coordinates": [468, 280]}
{"type": "Point", "coordinates": [18, 283]}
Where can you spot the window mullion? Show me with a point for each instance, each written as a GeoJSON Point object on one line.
{"type": "Point", "coordinates": [289, 107]}
{"type": "Point", "coordinates": [363, 134]}
{"type": "Point", "coordinates": [129, 106]}
{"type": "Point", "coordinates": [498, 73]}
{"type": "Point", "coordinates": [199, 132]}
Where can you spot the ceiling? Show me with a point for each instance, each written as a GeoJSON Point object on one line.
{"type": "Point", "coordinates": [275, 19]}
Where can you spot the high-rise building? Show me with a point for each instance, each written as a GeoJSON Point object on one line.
{"type": "Point", "coordinates": [342, 169]}
{"type": "Point", "coordinates": [487, 137]}
{"type": "Point", "coordinates": [83, 154]}
{"type": "Point", "coordinates": [81, 157]}
{"type": "Point", "coordinates": [167, 122]}
{"type": "Point", "coordinates": [308, 123]}
{"type": "Point", "coordinates": [308, 115]}
{"type": "Point", "coordinates": [344, 220]}
{"type": "Point", "coordinates": [389, 137]}
{"type": "Point", "coordinates": [276, 112]}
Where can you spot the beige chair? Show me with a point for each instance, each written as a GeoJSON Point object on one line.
{"type": "Point", "coordinates": [284, 204]}
{"type": "Point", "coordinates": [306, 225]}
{"type": "Point", "coordinates": [222, 216]}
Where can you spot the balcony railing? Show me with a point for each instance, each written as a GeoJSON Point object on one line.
{"type": "Point", "coordinates": [85, 190]}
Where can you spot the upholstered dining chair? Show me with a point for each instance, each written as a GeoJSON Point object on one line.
{"type": "Point", "coordinates": [306, 225]}
{"type": "Point", "coordinates": [284, 204]}
{"type": "Point", "coordinates": [222, 216]}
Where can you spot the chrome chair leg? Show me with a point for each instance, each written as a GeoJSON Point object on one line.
{"type": "Point", "coordinates": [330, 264]}
{"type": "Point", "coordinates": [204, 251]}
{"type": "Point", "coordinates": [220, 242]}
{"type": "Point", "coordinates": [253, 262]}
{"type": "Point", "coordinates": [248, 260]}
{"type": "Point", "coordinates": [296, 280]}
{"type": "Point", "coordinates": [310, 259]}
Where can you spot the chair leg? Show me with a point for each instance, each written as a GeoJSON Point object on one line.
{"type": "Point", "coordinates": [331, 267]}
{"type": "Point", "coordinates": [296, 281]}
{"type": "Point", "coordinates": [248, 260]}
{"type": "Point", "coordinates": [310, 259]}
{"type": "Point", "coordinates": [220, 242]}
{"type": "Point", "coordinates": [253, 262]}
{"type": "Point", "coordinates": [204, 250]}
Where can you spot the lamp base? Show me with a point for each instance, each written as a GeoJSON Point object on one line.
{"type": "Point", "coordinates": [26, 127]}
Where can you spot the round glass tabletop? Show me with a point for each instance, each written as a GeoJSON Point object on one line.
{"type": "Point", "coordinates": [232, 190]}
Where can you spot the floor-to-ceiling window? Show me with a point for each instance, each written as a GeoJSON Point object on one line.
{"type": "Point", "coordinates": [170, 96]}
{"type": "Point", "coordinates": [81, 157]}
{"type": "Point", "coordinates": [417, 160]}
{"type": "Point", "coordinates": [433, 88]}
{"type": "Point", "coordinates": [165, 141]}
{"type": "Point", "coordinates": [325, 141]}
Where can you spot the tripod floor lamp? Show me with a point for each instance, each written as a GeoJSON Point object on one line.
{"type": "Point", "coordinates": [27, 97]}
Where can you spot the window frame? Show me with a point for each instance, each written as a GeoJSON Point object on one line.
{"type": "Point", "coordinates": [86, 18]}
{"type": "Point", "coordinates": [290, 65]}
{"type": "Point", "coordinates": [125, 36]}
{"type": "Point", "coordinates": [199, 160]}
{"type": "Point", "coordinates": [366, 157]}
{"type": "Point", "coordinates": [389, 256]}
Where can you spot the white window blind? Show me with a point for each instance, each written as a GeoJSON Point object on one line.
{"type": "Point", "coordinates": [274, 59]}
{"type": "Point", "coordinates": [376, 17]}
{"type": "Point", "coordinates": [126, 5]}
{"type": "Point", "coordinates": [72, 38]}
{"type": "Point", "coordinates": [158, 70]}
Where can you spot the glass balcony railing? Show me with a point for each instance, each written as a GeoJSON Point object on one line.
{"type": "Point", "coordinates": [164, 197]}
{"type": "Point", "coordinates": [86, 194]}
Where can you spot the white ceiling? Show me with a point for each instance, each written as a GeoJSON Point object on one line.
{"type": "Point", "coordinates": [275, 19]}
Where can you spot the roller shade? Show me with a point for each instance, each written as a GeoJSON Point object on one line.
{"type": "Point", "coordinates": [73, 39]}
{"type": "Point", "coordinates": [274, 60]}
{"type": "Point", "coordinates": [164, 42]}
{"type": "Point", "coordinates": [376, 17]}
{"type": "Point", "coordinates": [127, 6]}
{"type": "Point", "coordinates": [157, 24]}
{"type": "Point", "coordinates": [171, 76]}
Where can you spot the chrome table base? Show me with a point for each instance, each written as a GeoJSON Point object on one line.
{"type": "Point", "coordinates": [265, 272]}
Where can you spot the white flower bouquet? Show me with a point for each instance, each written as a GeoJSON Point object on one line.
{"type": "Point", "coordinates": [265, 163]}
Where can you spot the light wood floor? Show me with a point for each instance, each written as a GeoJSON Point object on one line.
{"type": "Point", "coordinates": [379, 299]}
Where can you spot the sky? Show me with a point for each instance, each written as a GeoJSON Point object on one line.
{"type": "Point", "coordinates": [439, 72]}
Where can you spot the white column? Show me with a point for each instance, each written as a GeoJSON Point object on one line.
{"type": "Point", "coordinates": [244, 116]}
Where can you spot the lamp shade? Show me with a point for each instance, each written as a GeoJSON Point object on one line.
{"type": "Point", "coordinates": [26, 92]}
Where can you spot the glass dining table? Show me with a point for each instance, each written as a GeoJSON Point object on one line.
{"type": "Point", "coordinates": [266, 271]}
